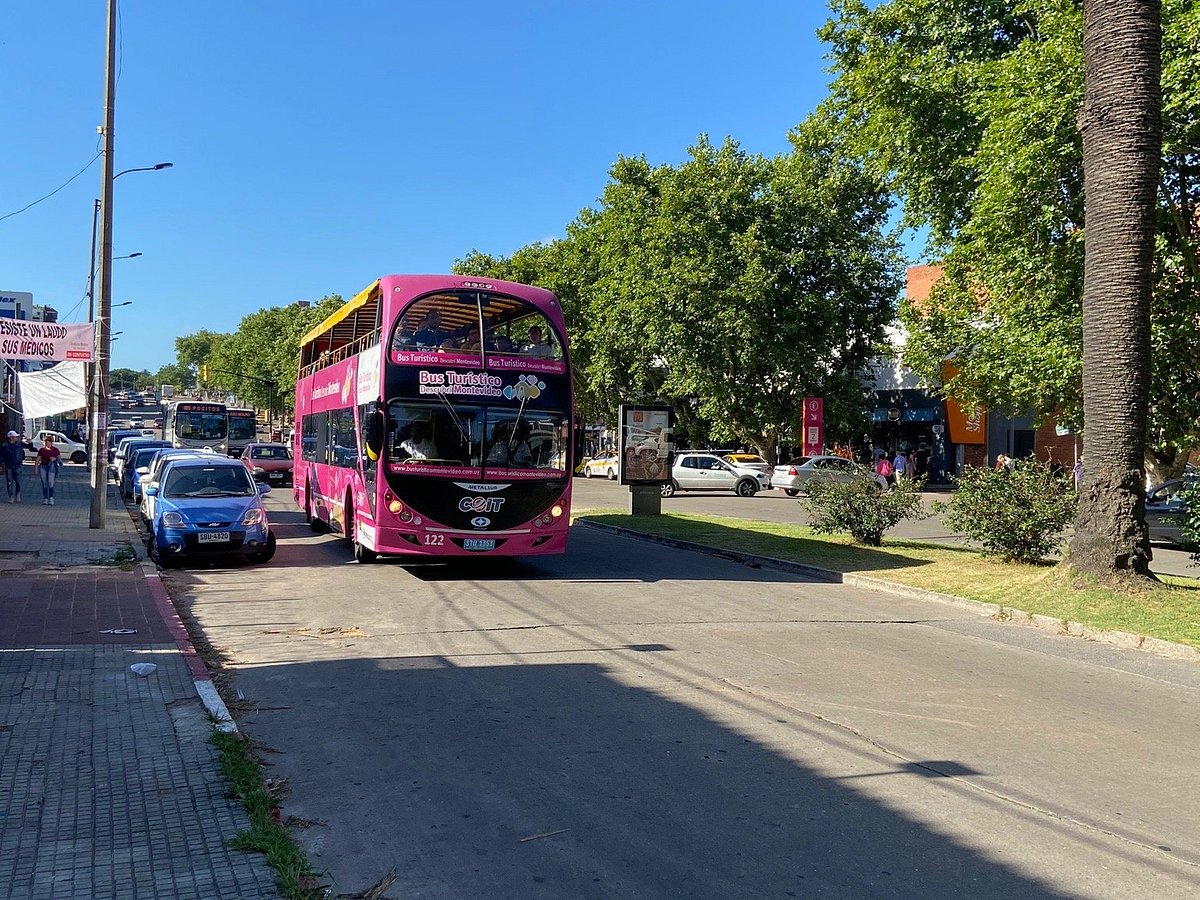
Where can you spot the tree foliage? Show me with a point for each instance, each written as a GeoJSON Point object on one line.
{"type": "Point", "coordinates": [258, 361]}
{"type": "Point", "coordinates": [969, 109]}
{"type": "Point", "coordinates": [730, 285]}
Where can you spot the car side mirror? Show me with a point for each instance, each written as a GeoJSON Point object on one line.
{"type": "Point", "coordinates": [144, 470]}
{"type": "Point", "coordinates": [151, 492]}
{"type": "Point", "coordinates": [264, 489]}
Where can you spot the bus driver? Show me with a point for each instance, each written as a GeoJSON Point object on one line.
{"type": "Point", "coordinates": [418, 445]}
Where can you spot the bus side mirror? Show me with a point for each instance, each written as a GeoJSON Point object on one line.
{"type": "Point", "coordinates": [374, 433]}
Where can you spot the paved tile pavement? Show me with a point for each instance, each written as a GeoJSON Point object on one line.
{"type": "Point", "coordinates": [109, 786]}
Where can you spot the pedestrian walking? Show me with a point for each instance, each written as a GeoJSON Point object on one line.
{"type": "Point", "coordinates": [900, 465]}
{"type": "Point", "coordinates": [12, 457]}
{"type": "Point", "coordinates": [49, 461]}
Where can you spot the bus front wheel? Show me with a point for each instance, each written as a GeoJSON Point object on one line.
{"type": "Point", "coordinates": [362, 554]}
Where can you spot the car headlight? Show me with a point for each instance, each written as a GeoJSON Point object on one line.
{"type": "Point", "coordinates": [172, 518]}
{"type": "Point", "coordinates": [258, 470]}
{"type": "Point", "coordinates": [254, 516]}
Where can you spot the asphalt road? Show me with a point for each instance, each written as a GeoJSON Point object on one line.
{"type": "Point", "coordinates": [775, 506]}
{"type": "Point", "coordinates": [630, 721]}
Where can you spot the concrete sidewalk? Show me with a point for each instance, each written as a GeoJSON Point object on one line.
{"type": "Point", "coordinates": [110, 787]}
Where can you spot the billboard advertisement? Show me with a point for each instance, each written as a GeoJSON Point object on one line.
{"type": "Point", "coordinates": [646, 444]}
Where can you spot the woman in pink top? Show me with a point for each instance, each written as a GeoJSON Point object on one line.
{"type": "Point", "coordinates": [48, 461]}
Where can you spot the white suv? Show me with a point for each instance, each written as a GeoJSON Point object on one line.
{"type": "Point", "coordinates": [708, 472]}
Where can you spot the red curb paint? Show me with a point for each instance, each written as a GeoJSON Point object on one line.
{"type": "Point", "coordinates": [174, 624]}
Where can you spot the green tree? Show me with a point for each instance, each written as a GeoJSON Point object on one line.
{"type": "Point", "coordinates": [130, 379]}
{"type": "Point", "coordinates": [731, 286]}
{"type": "Point", "coordinates": [969, 109]}
{"type": "Point", "coordinates": [181, 377]}
{"type": "Point", "coordinates": [258, 362]}
{"type": "Point", "coordinates": [194, 350]}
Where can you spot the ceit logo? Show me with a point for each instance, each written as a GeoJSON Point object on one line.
{"type": "Point", "coordinates": [480, 504]}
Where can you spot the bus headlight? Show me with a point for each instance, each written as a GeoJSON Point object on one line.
{"type": "Point", "coordinates": [556, 511]}
{"type": "Point", "coordinates": [406, 516]}
{"type": "Point", "coordinates": [395, 506]}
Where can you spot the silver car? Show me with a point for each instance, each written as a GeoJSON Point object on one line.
{"type": "Point", "coordinates": [794, 476]}
{"type": "Point", "coordinates": [708, 472]}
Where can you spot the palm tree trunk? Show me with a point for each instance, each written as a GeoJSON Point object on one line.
{"type": "Point", "coordinates": [1122, 151]}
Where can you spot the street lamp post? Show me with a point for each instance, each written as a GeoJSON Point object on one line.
{"type": "Point", "coordinates": [98, 388]}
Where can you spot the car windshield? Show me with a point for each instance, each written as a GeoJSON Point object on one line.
{"type": "Point", "coordinates": [208, 481]}
{"type": "Point", "coordinates": [270, 453]}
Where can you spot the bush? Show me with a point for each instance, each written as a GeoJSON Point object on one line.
{"type": "Point", "coordinates": [1018, 514]}
{"type": "Point", "coordinates": [861, 509]}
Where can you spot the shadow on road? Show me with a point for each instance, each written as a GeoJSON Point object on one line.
{"type": "Point", "coordinates": [559, 780]}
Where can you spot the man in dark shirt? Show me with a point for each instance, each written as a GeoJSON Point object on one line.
{"type": "Point", "coordinates": [12, 457]}
{"type": "Point", "coordinates": [430, 334]}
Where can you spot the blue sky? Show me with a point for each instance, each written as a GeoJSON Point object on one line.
{"type": "Point", "coordinates": [317, 146]}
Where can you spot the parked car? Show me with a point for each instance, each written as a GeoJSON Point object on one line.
{"type": "Point", "coordinates": [604, 464]}
{"type": "Point", "coordinates": [137, 463]}
{"type": "Point", "coordinates": [154, 472]}
{"type": "Point", "coordinates": [269, 462]}
{"type": "Point", "coordinates": [1166, 505]}
{"type": "Point", "coordinates": [794, 476]}
{"type": "Point", "coordinates": [125, 447]}
{"type": "Point", "coordinates": [116, 436]}
{"type": "Point", "coordinates": [71, 450]}
{"type": "Point", "coordinates": [747, 461]}
{"type": "Point", "coordinates": [708, 472]}
{"type": "Point", "coordinates": [208, 506]}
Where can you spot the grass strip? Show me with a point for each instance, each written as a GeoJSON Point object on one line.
{"type": "Point", "coordinates": [265, 835]}
{"type": "Point", "coordinates": [1170, 611]}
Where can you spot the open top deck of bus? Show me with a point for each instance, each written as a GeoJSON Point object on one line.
{"type": "Point", "coordinates": [357, 324]}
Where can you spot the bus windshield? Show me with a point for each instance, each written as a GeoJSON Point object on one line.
{"type": "Point", "coordinates": [458, 435]}
{"type": "Point", "coordinates": [449, 323]}
{"type": "Point", "coordinates": [205, 426]}
{"type": "Point", "coordinates": [242, 427]}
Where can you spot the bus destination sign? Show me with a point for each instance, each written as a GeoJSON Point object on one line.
{"type": "Point", "coordinates": [215, 408]}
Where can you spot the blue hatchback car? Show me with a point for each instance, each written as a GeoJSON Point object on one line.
{"type": "Point", "coordinates": [208, 506]}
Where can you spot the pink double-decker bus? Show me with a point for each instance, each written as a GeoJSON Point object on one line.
{"type": "Point", "coordinates": [433, 418]}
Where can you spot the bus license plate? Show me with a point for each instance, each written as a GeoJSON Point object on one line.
{"type": "Point", "coordinates": [213, 537]}
{"type": "Point", "coordinates": [479, 543]}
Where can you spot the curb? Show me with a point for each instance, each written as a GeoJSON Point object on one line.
{"type": "Point", "coordinates": [201, 678]}
{"type": "Point", "coordinates": [1121, 639]}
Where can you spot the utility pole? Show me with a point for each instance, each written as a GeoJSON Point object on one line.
{"type": "Point", "coordinates": [99, 385]}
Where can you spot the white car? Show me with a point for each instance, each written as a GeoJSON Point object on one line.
{"type": "Point", "coordinates": [794, 476]}
{"type": "Point", "coordinates": [70, 450]}
{"type": "Point", "coordinates": [708, 472]}
{"type": "Point", "coordinates": [605, 464]}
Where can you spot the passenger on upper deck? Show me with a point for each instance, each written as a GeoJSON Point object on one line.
{"type": "Point", "coordinates": [431, 334]}
{"type": "Point", "coordinates": [404, 338]}
{"type": "Point", "coordinates": [536, 346]}
{"type": "Point", "coordinates": [472, 342]}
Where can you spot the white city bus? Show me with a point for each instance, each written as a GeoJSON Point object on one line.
{"type": "Point", "coordinates": [197, 424]}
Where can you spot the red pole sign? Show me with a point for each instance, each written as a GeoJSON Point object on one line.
{"type": "Point", "coordinates": [813, 439]}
